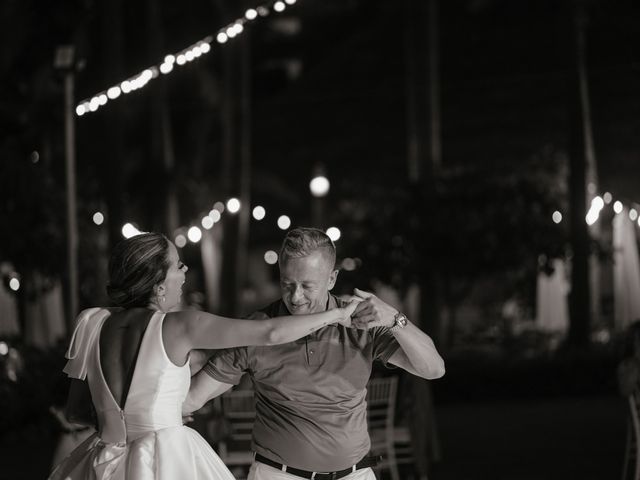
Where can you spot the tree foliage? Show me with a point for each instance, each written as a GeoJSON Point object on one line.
{"type": "Point", "coordinates": [476, 223]}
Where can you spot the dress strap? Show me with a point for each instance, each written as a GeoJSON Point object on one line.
{"type": "Point", "coordinates": [86, 332]}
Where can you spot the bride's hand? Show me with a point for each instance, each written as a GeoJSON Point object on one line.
{"type": "Point", "coordinates": [347, 310]}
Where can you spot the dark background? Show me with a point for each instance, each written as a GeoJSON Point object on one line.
{"type": "Point", "coordinates": [330, 84]}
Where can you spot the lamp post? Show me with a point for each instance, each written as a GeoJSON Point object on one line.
{"type": "Point", "coordinates": [65, 62]}
{"type": "Point", "coordinates": [319, 187]}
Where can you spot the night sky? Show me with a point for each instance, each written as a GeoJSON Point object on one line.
{"type": "Point", "coordinates": [329, 86]}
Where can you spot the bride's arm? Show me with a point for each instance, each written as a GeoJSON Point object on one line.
{"type": "Point", "coordinates": [205, 330]}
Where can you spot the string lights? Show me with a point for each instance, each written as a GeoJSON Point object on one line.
{"type": "Point", "coordinates": [597, 205]}
{"type": "Point", "coordinates": [181, 58]}
{"type": "Point", "coordinates": [233, 206]}
{"type": "Point", "coordinates": [193, 233]}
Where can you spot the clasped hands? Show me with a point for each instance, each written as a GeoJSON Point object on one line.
{"type": "Point", "coordinates": [364, 310]}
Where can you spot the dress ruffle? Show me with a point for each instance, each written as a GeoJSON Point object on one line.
{"type": "Point", "coordinates": [166, 454]}
{"type": "Point", "coordinates": [87, 328]}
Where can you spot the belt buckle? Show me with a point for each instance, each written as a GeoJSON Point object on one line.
{"type": "Point", "coordinates": [325, 475]}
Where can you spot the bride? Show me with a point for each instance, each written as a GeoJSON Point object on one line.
{"type": "Point", "coordinates": [134, 363]}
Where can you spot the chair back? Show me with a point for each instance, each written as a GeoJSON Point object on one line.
{"type": "Point", "coordinates": [239, 409]}
{"type": "Point", "coordinates": [381, 403]}
{"type": "Point", "coordinates": [381, 408]}
{"type": "Point", "coordinates": [631, 466]}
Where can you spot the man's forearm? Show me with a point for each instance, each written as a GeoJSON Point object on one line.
{"type": "Point", "coordinates": [417, 354]}
{"type": "Point", "coordinates": [203, 388]}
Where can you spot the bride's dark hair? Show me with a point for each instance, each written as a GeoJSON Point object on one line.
{"type": "Point", "coordinates": [136, 265]}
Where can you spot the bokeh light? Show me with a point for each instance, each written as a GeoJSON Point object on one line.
{"type": "Point", "coordinates": [194, 234]}
{"type": "Point", "coordinates": [597, 202]}
{"type": "Point", "coordinates": [114, 92]}
{"type": "Point", "coordinates": [556, 217]}
{"type": "Point", "coordinates": [334, 233]}
{"type": "Point", "coordinates": [284, 222]}
{"type": "Point", "coordinates": [233, 205]}
{"type": "Point", "coordinates": [180, 241]}
{"type": "Point", "coordinates": [271, 257]}
{"type": "Point", "coordinates": [259, 212]}
{"type": "Point", "coordinates": [349, 264]}
{"type": "Point", "coordinates": [98, 218]}
{"type": "Point", "coordinates": [207, 222]}
{"type": "Point", "coordinates": [319, 186]}
{"type": "Point", "coordinates": [617, 207]}
{"type": "Point", "coordinates": [128, 230]}
{"type": "Point", "coordinates": [215, 215]}
{"type": "Point", "coordinates": [14, 284]}
{"type": "Point", "coordinates": [166, 67]}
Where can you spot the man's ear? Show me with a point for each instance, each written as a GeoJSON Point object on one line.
{"type": "Point", "coordinates": [160, 289]}
{"type": "Point", "coordinates": [333, 276]}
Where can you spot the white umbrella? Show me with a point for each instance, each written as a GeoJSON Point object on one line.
{"type": "Point", "coordinates": [44, 316]}
{"type": "Point", "coordinates": [626, 272]}
{"type": "Point", "coordinates": [8, 306]}
{"type": "Point", "coordinates": [552, 308]}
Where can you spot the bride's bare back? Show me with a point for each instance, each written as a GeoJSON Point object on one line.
{"type": "Point", "coordinates": [120, 341]}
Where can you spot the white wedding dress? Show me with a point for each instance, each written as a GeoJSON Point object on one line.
{"type": "Point", "coordinates": [146, 439]}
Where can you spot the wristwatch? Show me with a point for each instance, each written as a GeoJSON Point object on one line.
{"type": "Point", "coordinates": [400, 320]}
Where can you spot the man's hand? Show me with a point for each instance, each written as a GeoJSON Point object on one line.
{"type": "Point", "coordinates": [187, 418]}
{"type": "Point", "coordinates": [347, 311]}
{"type": "Point", "coordinates": [372, 312]}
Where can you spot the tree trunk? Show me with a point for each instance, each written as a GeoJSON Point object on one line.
{"type": "Point", "coordinates": [162, 148]}
{"type": "Point", "coordinates": [245, 166]}
{"type": "Point", "coordinates": [579, 301]}
{"type": "Point", "coordinates": [423, 121]}
{"type": "Point", "coordinates": [113, 154]}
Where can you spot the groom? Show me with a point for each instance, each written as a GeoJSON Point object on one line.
{"type": "Point", "coordinates": [310, 394]}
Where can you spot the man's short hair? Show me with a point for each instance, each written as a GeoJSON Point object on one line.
{"type": "Point", "coordinates": [303, 241]}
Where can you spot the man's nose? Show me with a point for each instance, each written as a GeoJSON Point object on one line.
{"type": "Point", "coordinates": [297, 293]}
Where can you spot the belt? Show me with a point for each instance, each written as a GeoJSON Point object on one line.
{"type": "Point", "coordinates": [364, 463]}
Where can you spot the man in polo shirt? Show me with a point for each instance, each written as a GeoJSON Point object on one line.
{"type": "Point", "coordinates": [311, 419]}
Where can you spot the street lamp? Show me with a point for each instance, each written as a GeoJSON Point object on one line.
{"type": "Point", "coordinates": [319, 187]}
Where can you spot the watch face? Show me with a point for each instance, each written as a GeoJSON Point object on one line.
{"type": "Point", "coordinates": [401, 320]}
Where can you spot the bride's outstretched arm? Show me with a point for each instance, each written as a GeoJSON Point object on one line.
{"type": "Point", "coordinates": [205, 330]}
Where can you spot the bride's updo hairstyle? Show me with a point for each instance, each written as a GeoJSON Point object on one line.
{"type": "Point", "coordinates": [136, 265]}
